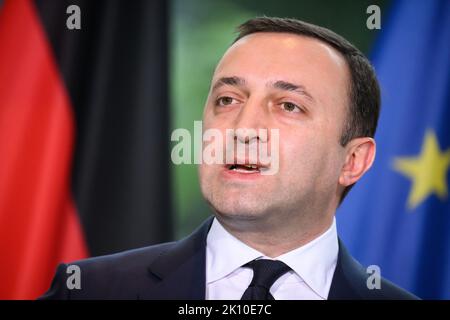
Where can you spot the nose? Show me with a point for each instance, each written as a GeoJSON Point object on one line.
{"type": "Point", "coordinates": [252, 117]}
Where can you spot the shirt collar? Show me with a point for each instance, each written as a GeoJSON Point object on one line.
{"type": "Point", "coordinates": [225, 253]}
{"type": "Point", "coordinates": [313, 262]}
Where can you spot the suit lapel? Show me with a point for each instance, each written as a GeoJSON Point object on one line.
{"type": "Point", "coordinates": [180, 270]}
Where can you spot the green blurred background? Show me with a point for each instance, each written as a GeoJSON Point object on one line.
{"type": "Point", "coordinates": [200, 33]}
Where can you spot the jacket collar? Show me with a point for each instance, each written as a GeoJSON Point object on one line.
{"type": "Point", "coordinates": [181, 270]}
{"type": "Point", "coordinates": [349, 279]}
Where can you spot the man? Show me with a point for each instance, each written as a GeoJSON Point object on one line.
{"type": "Point", "coordinates": [273, 236]}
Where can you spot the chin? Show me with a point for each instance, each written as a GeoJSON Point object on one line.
{"type": "Point", "coordinates": [239, 208]}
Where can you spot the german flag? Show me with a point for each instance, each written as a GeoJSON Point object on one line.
{"type": "Point", "coordinates": [84, 118]}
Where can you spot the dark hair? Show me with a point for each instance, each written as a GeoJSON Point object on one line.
{"type": "Point", "coordinates": [364, 91]}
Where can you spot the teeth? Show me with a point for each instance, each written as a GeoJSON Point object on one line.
{"type": "Point", "coordinates": [246, 166]}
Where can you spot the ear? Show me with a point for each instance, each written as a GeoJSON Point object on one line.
{"type": "Point", "coordinates": [360, 155]}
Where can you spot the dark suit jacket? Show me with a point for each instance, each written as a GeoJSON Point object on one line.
{"type": "Point", "coordinates": [176, 270]}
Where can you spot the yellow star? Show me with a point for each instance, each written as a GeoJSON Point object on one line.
{"type": "Point", "coordinates": [428, 171]}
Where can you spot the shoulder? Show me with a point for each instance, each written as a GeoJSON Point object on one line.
{"type": "Point", "coordinates": [352, 281]}
{"type": "Point", "coordinates": [372, 286]}
{"type": "Point", "coordinates": [125, 261]}
{"type": "Point", "coordinates": [391, 291]}
{"type": "Point", "coordinates": [115, 276]}
{"type": "Point", "coordinates": [158, 271]}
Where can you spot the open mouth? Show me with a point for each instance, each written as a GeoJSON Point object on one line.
{"type": "Point", "coordinates": [244, 168]}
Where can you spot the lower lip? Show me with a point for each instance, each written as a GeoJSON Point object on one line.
{"type": "Point", "coordinates": [233, 174]}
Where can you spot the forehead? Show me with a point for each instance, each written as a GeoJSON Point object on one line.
{"type": "Point", "coordinates": [262, 57]}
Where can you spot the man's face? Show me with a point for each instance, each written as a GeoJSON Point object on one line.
{"type": "Point", "coordinates": [299, 86]}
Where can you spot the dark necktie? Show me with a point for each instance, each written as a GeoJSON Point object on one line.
{"type": "Point", "coordinates": [265, 273]}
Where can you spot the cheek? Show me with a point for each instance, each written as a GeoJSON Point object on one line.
{"type": "Point", "coordinates": [206, 178]}
{"type": "Point", "coordinates": [205, 171]}
{"type": "Point", "coordinates": [208, 120]}
{"type": "Point", "coordinates": [297, 152]}
{"type": "Point", "coordinates": [213, 121]}
{"type": "Point", "coordinates": [307, 156]}
{"type": "Point", "coordinates": [209, 117]}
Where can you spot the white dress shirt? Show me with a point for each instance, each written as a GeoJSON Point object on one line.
{"type": "Point", "coordinates": [310, 278]}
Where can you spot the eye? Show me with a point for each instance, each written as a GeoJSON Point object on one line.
{"type": "Point", "coordinates": [225, 101]}
{"type": "Point", "coordinates": [290, 107]}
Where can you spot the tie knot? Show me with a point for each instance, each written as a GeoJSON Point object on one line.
{"type": "Point", "coordinates": [266, 272]}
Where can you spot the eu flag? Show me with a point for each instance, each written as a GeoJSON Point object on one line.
{"type": "Point", "coordinates": [398, 215]}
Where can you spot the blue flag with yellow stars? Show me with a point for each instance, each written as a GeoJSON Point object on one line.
{"type": "Point", "coordinates": [398, 215]}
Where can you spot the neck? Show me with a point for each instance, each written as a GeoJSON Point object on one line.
{"type": "Point", "coordinates": [274, 238]}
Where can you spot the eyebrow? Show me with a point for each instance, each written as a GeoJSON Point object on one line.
{"type": "Point", "coordinates": [287, 86]}
{"type": "Point", "coordinates": [280, 85]}
{"type": "Point", "coordinates": [231, 81]}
